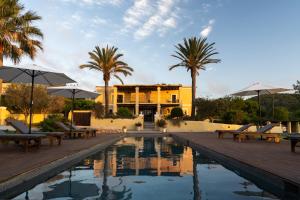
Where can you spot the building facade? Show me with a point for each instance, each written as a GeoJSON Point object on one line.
{"type": "Point", "coordinates": [148, 99]}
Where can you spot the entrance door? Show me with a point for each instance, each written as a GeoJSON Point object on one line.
{"type": "Point", "coordinates": [148, 115]}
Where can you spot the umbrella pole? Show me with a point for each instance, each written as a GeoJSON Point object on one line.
{"type": "Point", "coordinates": [72, 111]}
{"type": "Point", "coordinates": [273, 108]}
{"type": "Point", "coordinates": [259, 107]}
{"type": "Point", "coordinates": [31, 101]}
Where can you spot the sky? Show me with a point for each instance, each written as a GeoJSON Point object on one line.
{"type": "Point", "coordinates": [257, 40]}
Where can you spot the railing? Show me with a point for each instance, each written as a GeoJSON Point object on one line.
{"type": "Point", "coordinates": [151, 102]}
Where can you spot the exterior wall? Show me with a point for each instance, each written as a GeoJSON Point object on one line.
{"type": "Point", "coordinates": [185, 96]}
{"type": "Point", "coordinates": [4, 114]}
{"type": "Point", "coordinates": [203, 126]}
{"type": "Point", "coordinates": [109, 123]}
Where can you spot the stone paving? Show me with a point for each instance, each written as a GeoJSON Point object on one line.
{"type": "Point", "coordinates": [15, 161]}
{"type": "Point", "coordinates": [271, 157]}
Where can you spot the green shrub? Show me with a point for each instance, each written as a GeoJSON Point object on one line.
{"type": "Point", "coordinates": [235, 117]}
{"type": "Point", "coordinates": [48, 125]}
{"type": "Point", "coordinates": [161, 123]}
{"type": "Point", "coordinates": [176, 112]}
{"type": "Point", "coordinates": [281, 114]}
{"type": "Point", "coordinates": [98, 110]}
{"type": "Point", "coordinates": [124, 113]}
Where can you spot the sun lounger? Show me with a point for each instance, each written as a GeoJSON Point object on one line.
{"type": "Point", "coordinates": [73, 133]}
{"type": "Point", "coordinates": [23, 139]}
{"type": "Point", "coordinates": [262, 132]}
{"type": "Point", "coordinates": [294, 139]}
{"type": "Point", "coordinates": [92, 131]}
{"type": "Point", "coordinates": [221, 133]}
{"type": "Point", "coordinates": [22, 128]}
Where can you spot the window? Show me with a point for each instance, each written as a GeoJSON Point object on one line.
{"type": "Point", "coordinates": [174, 98]}
{"type": "Point", "coordinates": [120, 98]}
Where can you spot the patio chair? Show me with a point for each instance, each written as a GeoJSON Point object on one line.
{"type": "Point", "coordinates": [23, 139]}
{"type": "Point", "coordinates": [73, 133]}
{"type": "Point", "coordinates": [294, 139]}
{"type": "Point", "coordinates": [221, 133]}
{"type": "Point", "coordinates": [262, 132]}
{"type": "Point", "coordinates": [22, 128]}
{"type": "Point", "coordinates": [92, 131]}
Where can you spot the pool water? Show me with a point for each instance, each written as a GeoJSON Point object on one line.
{"type": "Point", "coordinates": [147, 168]}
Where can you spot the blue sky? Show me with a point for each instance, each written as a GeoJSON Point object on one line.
{"type": "Point", "coordinates": [258, 40]}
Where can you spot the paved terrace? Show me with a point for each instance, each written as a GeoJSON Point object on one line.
{"type": "Point", "coordinates": [274, 158]}
{"type": "Point", "coordinates": [15, 162]}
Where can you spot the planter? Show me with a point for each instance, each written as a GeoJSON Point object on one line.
{"type": "Point", "coordinates": [163, 129]}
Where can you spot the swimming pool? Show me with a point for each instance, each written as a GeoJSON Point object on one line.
{"type": "Point", "coordinates": [147, 168]}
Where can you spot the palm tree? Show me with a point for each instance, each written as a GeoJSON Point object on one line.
{"type": "Point", "coordinates": [194, 54]}
{"type": "Point", "coordinates": [107, 61]}
{"type": "Point", "coordinates": [18, 37]}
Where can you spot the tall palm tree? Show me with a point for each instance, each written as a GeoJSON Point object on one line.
{"type": "Point", "coordinates": [107, 61]}
{"type": "Point", "coordinates": [194, 54]}
{"type": "Point", "coordinates": [18, 37]}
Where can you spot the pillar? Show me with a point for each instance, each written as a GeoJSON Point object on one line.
{"type": "Point", "coordinates": [137, 94]}
{"type": "Point", "coordinates": [115, 105]}
{"type": "Point", "coordinates": [158, 150]}
{"type": "Point", "coordinates": [289, 127]}
{"type": "Point", "coordinates": [297, 127]}
{"type": "Point", "coordinates": [158, 100]}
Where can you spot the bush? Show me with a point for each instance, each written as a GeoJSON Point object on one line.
{"type": "Point", "coordinates": [161, 123]}
{"type": "Point", "coordinates": [176, 112]}
{"type": "Point", "coordinates": [124, 113]}
{"type": "Point", "coordinates": [281, 114]}
{"type": "Point", "coordinates": [98, 110]}
{"type": "Point", "coordinates": [48, 125]}
{"type": "Point", "coordinates": [235, 117]}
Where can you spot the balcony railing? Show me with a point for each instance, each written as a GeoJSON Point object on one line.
{"type": "Point", "coordinates": [176, 101]}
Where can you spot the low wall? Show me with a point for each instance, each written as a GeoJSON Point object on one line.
{"type": "Point", "coordinates": [204, 126]}
{"type": "Point", "coordinates": [110, 123]}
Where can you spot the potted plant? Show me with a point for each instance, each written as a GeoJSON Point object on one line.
{"type": "Point", "coordinates": [138, 126]}
{"type": "Point", "coordinates": [124, 129]}
{"type": "Point", "coordinates": [161, 123]}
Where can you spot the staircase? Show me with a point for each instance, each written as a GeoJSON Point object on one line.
{"type": "Point", "coordinates": [149, 126]}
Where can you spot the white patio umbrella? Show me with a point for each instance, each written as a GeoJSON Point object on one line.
{"type": "Point", "coordinates": [73, 92]}
{"type": "Point", "coordinates": [33, 74]}
{"type": "Point", "coordinates": [260, 89]}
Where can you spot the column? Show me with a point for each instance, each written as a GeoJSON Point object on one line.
{"type": "Point", "coordinates": [115, 106]}
{"type": "Point", "coordinates": [137, 94]}
{"type": "Point", "coordinates": [297, 127]}
{"type": "Point", "coordinates": [157, 149]}
{"type": "Point", "coordinates": [158, 100]}
{"type": "Point", "coordinates": [289, 127]}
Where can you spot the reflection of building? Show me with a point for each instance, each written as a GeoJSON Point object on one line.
{"type": "Point", "coordinates": [147, 156]}
{"type": "Point", "coordinates": [148, 99]}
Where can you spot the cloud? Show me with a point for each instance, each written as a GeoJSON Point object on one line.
{"type": "Point", "coordinates": [94, 2]}
{"type": "Point", "coordinates": [207, 29]}
{"type": "Point", "coordinates": [99, 21]}
{"type": "Point", "coordinates": [135, 14]}
{"type": "Point", "coordinates": [160, 21]}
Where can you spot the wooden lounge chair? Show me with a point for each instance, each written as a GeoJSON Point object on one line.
{"type": "Point", "coordinates": [262, 132]}
{"type": "Point", "coordinates": [73, 133]}
{"type": "Point", "coordinates": [92, 131]}
{"type": "Point", "coordinates": [26, 140]}
{"type": "Point", "coordinates": [294, 138]}
{"type": "Point", "coordinates": [221, 133]}
{"type": "Point", "coordinates": [22, 128]}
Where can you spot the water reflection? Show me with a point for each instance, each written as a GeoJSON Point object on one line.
{"type": "Point", "coordinates": [147, 168]}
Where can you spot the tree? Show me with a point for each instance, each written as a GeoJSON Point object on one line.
{"type": "Point", "coordinates": [107, 61]}
{"type": "Point", "coordinates": [281, 114]}
{"type": "Point", "coordinates": [18, 37]}
{"type": "Point", "coordinates": [297, 87]}
{"type": "Point", "coordinates": [17, 100]}
{"type": "Point", "coordinates": [176, 112]}
{"type": "Point", "coordinates": [194, 54]}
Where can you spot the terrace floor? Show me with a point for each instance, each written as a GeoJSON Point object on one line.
{"type": "Point", "coordinates": [14, 161]}
{"type": "Point", "coordinates": [271, 157]}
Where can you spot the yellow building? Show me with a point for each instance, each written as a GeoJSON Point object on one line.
{"type": "Point", "coordinates": [148, 99]}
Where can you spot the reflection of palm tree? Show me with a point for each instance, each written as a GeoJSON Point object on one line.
{"type": "Point", "coordinates": [105, 187]}
{"type": "Point", "coordinates": [195, 178]}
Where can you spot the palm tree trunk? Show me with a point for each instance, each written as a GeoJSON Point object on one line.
{"type": "Point", "coordinates": [193, 74]}
{"type": "Point", "coordinates": [1, 64]}
{"type": "Point", "coordinates": [106, 96]}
